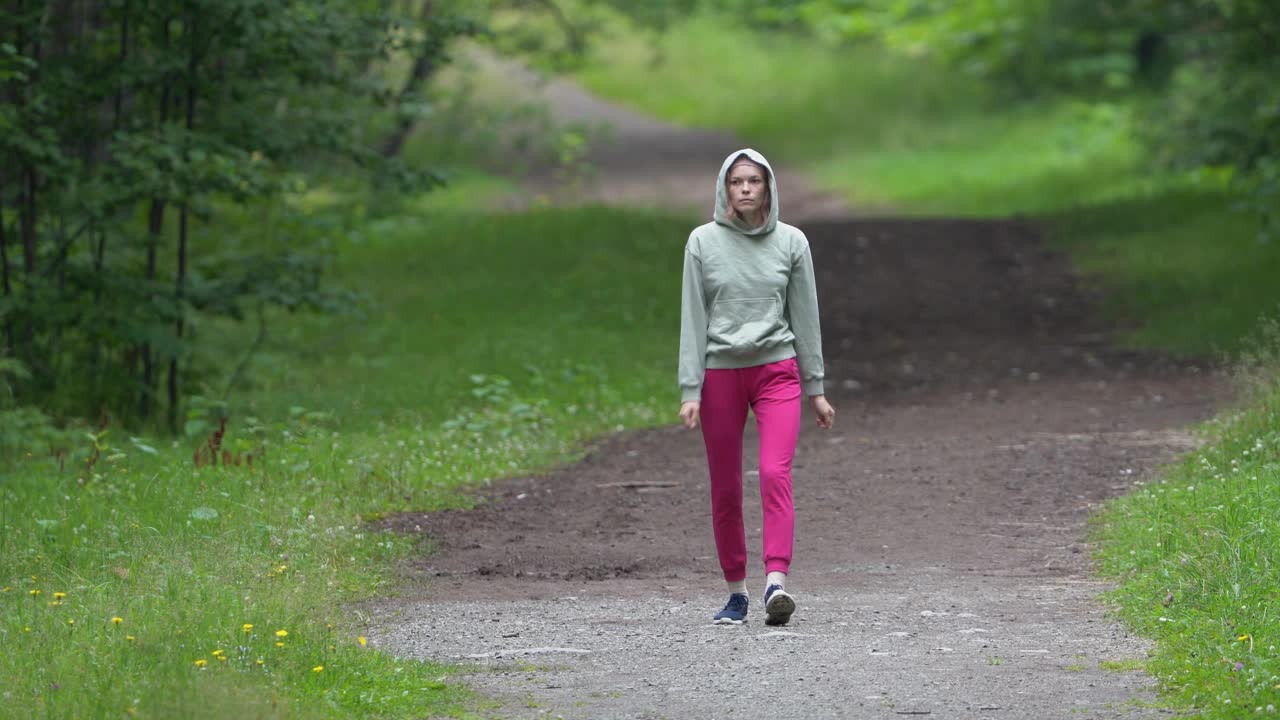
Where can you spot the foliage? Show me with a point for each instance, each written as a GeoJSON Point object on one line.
{"type": "Point", "coordinates": [1197, 74]}
{"type": "Point", "coordinates": [23, 429]}
{"type": "Point", "coordinates": [451, 382]}
{"type": "Point", "coordinates": [1208, 68]}
{"type": "Point", "coordinates": [127, 124]}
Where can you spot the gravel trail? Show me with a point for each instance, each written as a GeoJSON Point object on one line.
{"type": "Point", "coordinates": [941, 568]}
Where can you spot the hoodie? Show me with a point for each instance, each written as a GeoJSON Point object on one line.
{"type": "Point", "coordinates": [749, 296]}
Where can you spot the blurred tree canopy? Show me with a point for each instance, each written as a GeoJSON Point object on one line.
{"type": "Point", "coordinates": [1204, 72]}
{"type": "Point", "coordinates": [1206, 69]}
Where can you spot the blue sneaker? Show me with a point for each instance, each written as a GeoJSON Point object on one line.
{"type": "Point", "coordinates": [778, 606]}
{"type": "Point", "coordinates": [734, 612]}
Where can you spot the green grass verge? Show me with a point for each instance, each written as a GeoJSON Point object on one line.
{"type": "Point", "coordinates": [886, 131]}
{"type": "Point", "coordinates": [1179, 269]}
{"type": "Point", "coordinates": [1197, 553]}
{"type": "Point", "coordinates": [489, 345]}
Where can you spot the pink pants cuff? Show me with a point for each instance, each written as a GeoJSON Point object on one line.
{"type": "Point", "coordinates": [773, 392]}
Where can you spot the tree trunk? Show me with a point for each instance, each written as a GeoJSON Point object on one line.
{"type": "Point", "coordinates": [180, 324]}
{"type": "Point", "coordinates": [193, 64]}
{"type": "Point", "coordinates": [117, 101]}
{"type": "Point", "coordinates": [155, 226]}
{"type": "Point", "coordinates": [424, 65]}
{"type": "Point", "coordinates": [27, 223]}
{"type": "Point", "coordinates": [571, 32]}
{"type": "Point", "coordinates": [4, 272]}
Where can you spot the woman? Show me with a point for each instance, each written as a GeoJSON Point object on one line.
{"type": "Point", "coordinates": [749, 337]}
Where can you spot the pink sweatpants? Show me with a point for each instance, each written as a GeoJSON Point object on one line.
{"type": "Point", "coordinates": [773, 392]}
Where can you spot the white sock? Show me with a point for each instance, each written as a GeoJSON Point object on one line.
{"type": "Point", "coordinates": [776, 578]}
{"type": "Point", "coordinates": [738, 587]}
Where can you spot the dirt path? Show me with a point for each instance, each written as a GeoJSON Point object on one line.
{"type": "Point", "coordinates": [940, 564]}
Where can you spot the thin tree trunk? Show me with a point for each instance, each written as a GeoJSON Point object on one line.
{"type": "Point", "coordinates": [155, 226]}
{"type": "Point", "coordinates": [117, 105]}
{"type": "Point", "coordinates": [27, 223]}
{"type": "Point", "coordinates": [30, 186]}
{"type": "Point", "coordinates": [180, 290]}
{"type": "Point", "coordinates": [100, 248]}
{"type": "Point", "coordinates": [424, 65]}
{"type": "Point", "coordinates": [193, 63]}
{"type": "Point", "coordinates": [15, 96]}
{"type": "Point", "coordinates": [95, 358]}
{"type": "Point", "coordinates": [4, 272]}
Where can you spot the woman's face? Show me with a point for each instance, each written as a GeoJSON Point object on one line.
{"type": "Point", "coordinates": [748, 189]}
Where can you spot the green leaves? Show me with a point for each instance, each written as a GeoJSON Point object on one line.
{"type": "Point", "coordinates": [128, 135]}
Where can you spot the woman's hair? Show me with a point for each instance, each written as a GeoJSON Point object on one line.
{"type": "Point", "coordinates": [767, 206]}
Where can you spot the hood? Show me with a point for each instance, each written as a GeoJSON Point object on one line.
{"type": "Point", "coordinates": [722, 195]}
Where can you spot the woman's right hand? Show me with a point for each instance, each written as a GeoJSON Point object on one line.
{"type": "Point", "coordinates": [689, 414]}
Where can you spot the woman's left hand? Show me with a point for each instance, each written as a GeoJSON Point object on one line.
{"type": "Point", "coordinates": [826, 414]}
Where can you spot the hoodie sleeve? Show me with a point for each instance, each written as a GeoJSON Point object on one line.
{"type": "Point", "coordinates": [802, 312]}
{"type": "Point", "coordinates": [693, 327]}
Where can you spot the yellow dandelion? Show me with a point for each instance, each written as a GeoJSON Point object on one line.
{"type": "Point", "coordinates": [222, 658]}
{"type": "Point", "coordinates": [59, 596]}
{"type": "Point", "coordinates": [26, 629]}
{"type": "Point", "coordinates": [318, 668]}
{"type": "Point", "coordinates": [117, 620]}
{"type": "Point", "coordinates": [1244, 637]}
{"type": "Point", "coordinates": [34, 592]}
{"type": "Point", "coordinates": [279, 644]}
{"type": "Point", "coordinates": [5, 589]}
{"type": "Point", "coordinates": [130, 638]}
{"type": "Point", "coordinates": [55, 603]}
{"type": "Point", "coordinates": [217, 653]}
{"type": "Point", "coordinates": [362, 640]}
{"type": "Point", "coordinates": [71, 622]}
{"type": "Point", "coordinates": [282, 633]}
{"type": "Point", "coordinates": [247, 628]}
{"type": "Point", "coordinates": [201, 662]}
{"type": "Point", "coordinates": [260, 661]}
{"type": "Point", "coordinates": [329, 626]}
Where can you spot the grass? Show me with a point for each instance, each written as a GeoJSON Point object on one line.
{"type": "Point", "coordinates": [1126, 665]}
{"type": "Point", "coordinates": [489, 345]}
{"type": "Point", "coordinates": [1197, 551]}
{"type": "Point", "coordinates": [1178, 270]}
{"type": "Point", "coordinates": [890, 133]}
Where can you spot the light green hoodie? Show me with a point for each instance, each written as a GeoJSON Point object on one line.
{"type": "Point", "coordinates": [749, 295]}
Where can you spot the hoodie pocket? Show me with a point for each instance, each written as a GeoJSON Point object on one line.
{"type": "Point", "coordinates": [743, 324]}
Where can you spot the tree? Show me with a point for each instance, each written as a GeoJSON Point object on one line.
{"type": "Point", "coordinates": [124, 123]}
